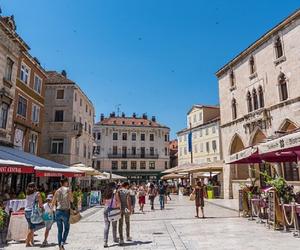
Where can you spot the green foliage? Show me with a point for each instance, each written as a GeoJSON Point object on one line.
{"type": "Point", "coordinates": [76, 197]}
{"type": "Point", "coordinates": [209, 187]}
{"type": "Point", "coordinates": [21, 196]}
{"type": "Point", "coordinates": [3, 218]}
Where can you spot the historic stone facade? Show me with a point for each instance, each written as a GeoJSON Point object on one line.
{"type": "Point", "coordinates": [203, 122]}
{"type": "Point", "coordinates": [69, 119]}
{"type": "Point", "coordinates": [136, 147]}
{"type": "Point", "coordinates": [260, 97]}
{"type": "Point", "coordinates": [10, 48]}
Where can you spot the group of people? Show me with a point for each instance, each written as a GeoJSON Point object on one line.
{"type": "Point", "coordinates": [120, 200]}
{"type": "Point", "coordinates": [55, 209]}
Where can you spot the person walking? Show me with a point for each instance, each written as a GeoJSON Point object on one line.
{"type": "Point", "coordinates": [111, 199]}
{"type": "Point", "coordinates": [200, 193]}
{"type": "Point", "coordinates": [62, 200]}
{"type": "Point", "coordinates": [142, 197]}
{"type": "Point", "coordinates": [132, 193]}
{"type": "Point", "coordinates": [152, 192]}
{"type": "Point", "coordinates": [125, 212]}
{"type": "Point", "coordinates": [32, 196]}
{"type": "Point", "coordinates": [162, 193]}
{"type": "Point", "coordinates": [48, 218]}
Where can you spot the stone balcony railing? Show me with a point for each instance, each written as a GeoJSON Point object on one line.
{"type": "Point", "coordinates": [133, 156]}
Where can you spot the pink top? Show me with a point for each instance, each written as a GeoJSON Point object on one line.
{"type": "Point", "coordinates": [108, 202]}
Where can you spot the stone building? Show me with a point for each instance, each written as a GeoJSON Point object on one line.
{"type": "Point", "coordinates": [29, 104]}
{"type": "Point", "coordinates": [69, 119]}
{"type": "Point", "coordinates": [136, 147]}
{"type": "Point", "coordinates": [173, 147]}
{"type": "Point", "coordinates": [260, 98]}
{"type": "Point", "coordinates": [10, 48]}
{"type": "Point", "coordinates": [203, 124]}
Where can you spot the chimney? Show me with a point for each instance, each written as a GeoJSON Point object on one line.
{"type": "Point", "coordinates": [134, 115]}
{"type": "Point", "coordinates": [64, 73]}
{"type": "Point", "coordinates": [113, 114]}
{"type": "Point", "coordinates": [123, 114]}
{"type": "Point", "coordinates": [153, 119]}
{"type": "Point", "coordinates": [145, 116]}
{"type": "Point", "coordinates": [101, 117]}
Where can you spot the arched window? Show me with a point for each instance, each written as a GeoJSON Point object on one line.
{"type": "Point", "coordinates": [282, 87]}
{"type": "Point", "coordinates": [278, 47]}
{"type": "Point", "coordinates": [232, 78]}
{"type": "Point", "coordinates": [234, 110]}
{"type": "Point", "coordinates": [261, 97]}
{"type": "Point", "coordinates": [249, 102]}
{"type": "Point", "coordinates": [252, 65]}
{"type": "Point", "coordinates": [255, 100]}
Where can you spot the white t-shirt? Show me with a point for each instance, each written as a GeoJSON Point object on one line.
{"type": "Point", "coordinates": [47, 208]}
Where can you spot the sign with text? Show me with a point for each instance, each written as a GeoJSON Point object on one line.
{"type": "Point", "coordinates": [95, 198]}
{"type": "Point", "coordinates": [16, 169]}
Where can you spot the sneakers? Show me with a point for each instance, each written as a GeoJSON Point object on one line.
{"type": "Point", "coordinates": [44, 244]}
{"type": "Point", "coordinates": [129, 238]}
{"type": "Point", "coordinates": [121, 242]}
{"type": "Point", "coordinates": [105, 245]}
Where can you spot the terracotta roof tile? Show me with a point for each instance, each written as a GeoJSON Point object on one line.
{"type": "Point", "coordinates": [129, 121]}
{"type": "Point", "coordinates": [54, 77]}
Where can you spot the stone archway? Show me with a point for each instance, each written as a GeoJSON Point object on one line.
{"type": "Point", "coordinates": [257, 137]}
{"type": "Point", "coordinates": [287, 126]}
{"type": "Point", "coordinates": [236, 144]}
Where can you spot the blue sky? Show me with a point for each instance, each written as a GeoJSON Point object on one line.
{"type": "Point", "coordinates": [153, 56]}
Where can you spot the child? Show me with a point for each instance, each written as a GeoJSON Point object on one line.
{"type": "Point", "coordinates": [48, 218]}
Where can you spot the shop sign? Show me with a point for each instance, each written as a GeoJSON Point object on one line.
{"type": "Point", "coordinates": [16, 169]}
{"type": "Point", "coordinates": [241, 155]}
{"type": "Point", "coordinates": [57, 174]}
{"type": "Point", "coordinates": [285, 142]}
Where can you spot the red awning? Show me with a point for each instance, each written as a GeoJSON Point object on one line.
{"type": "Point", "coordinates": [16, 169]}
{"type": "Point", "coordinates": [246, 156]}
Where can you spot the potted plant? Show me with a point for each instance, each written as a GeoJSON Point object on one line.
{"type": "Point", "coordinates": [3, 226]}
{"type": "Point", "coordinates": [210, 191]}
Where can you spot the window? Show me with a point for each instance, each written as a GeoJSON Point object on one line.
{"type": "Point", "coordinates": [123, 164]}
{"type": "Point", "coordinates": [24, 75]}
{"type": "Point", "coordinates": [84, 150]}
{"type": "Point", "coordinates": [200, 132]}
{"type": "Point", "coordinates": [196, 148]}
{"type": "Point", "coordinates": [77, 147]}
{"type": "Point", "coordinates": [133, 136]}
{"type": "Point", "coordinates": [22, 106]}
{"type": "Point", "coordinates": [85, 126]}
{"type": "Point", "coordinates": [201, 147]}
{"type": "Point", "coordinates": [124, 136]}
{"type": "Point", "coordinates": [252, 65]}
{"type": "Point", "coordinates": [133, 165]}
{"type": "Point", "coordinates": [291, 172]}
{"type": "Point", "coordinates": [200, 116]}
{"type": "Point", "coordinates": [75, 97]}
{"type": "Point", "coordinates": [214, 145]}
{"type": "Point", "coordinates": [207, 147]}
{"type": "Point", "coordinates": [115, 150]}
{"type": "Point", "coordinates": [151, 164]}
{"type": "Point", "coordinates": [232, 78]}
{"type": "Point", "coordinates": [142, 165]}
{"type": "Point", "coordinates": [35, 114]}
{"type": "Point", "coordinates": [59, 116]}
{"type": "Point", "coordinates": [80, 102]}
{"type": "Point", "coordinates": [60, 93]}
{"type": "Point", "coordinates": [194, 118]}
{"type": "Point", "coordinates": [86, 108]}
{"type": "Point", "coordinates": [124, 152]}
{"type": "Point", "coordinates": [57, 146]}
{"type": "Point", "coordinates": [151, 137]}
{"type": "Point", "coordinates": [90, 128]}
{"type": "Point", "coordinates": [33, 143]}
{"type": "Point", "coordinates": [115, 136]}
{"type": "Point", "coordinates": [142, 137]}
{"type": "Point", "coordinates": [206, 131]}
{"type": "Point", "coordinates": [8, 69]}
{"type": "Point", "coordinates": [97, 150]}
{"type": "Point", "coordinates": [283, 92]}
{"type": "Point", "coordinates": [98, 136]}
{"type": "Point", "coordinates": [261, 97]}
{"type": "Point", "coordinates": [185, 151]}
{"type": "Point", "coordinates": [133, 150]}
{"type": "Point", "coordinates": [166, 151]}
{"type": "Point", "coordinates": [278, 47]}
{"type": "Point", "coordinates": [98, 165]}
{"type": "Point", "coordinates": [255, 99]}
{"type": "Point", "coordinates": [213, 129]}
{"type": "Point", "coordinates": [151, 151]}
{"type": "Point", "coordinates": [249, 102]}
{"type": "Point", "coordinates": [142, 152]}
{"type": "Point", "coordinates": [166, 137]}
{"type": "Point", "coordinates": [37, 85]}
{"type": "Point", "coordinates": [3, 115]}
{"type": "Point", "coordinates": [166, 165]}
{"type": "Point", "coordinates": [234, 109]}
{"type": "Point", "coordinates": [114, 165]}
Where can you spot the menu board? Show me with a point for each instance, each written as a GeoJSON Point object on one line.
{"type": "Point", "coordinates": [241, 193]}
{"type": "Point", "coordinates": [272, 208]}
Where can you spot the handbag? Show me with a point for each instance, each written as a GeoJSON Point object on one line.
{"type": "Point", "coordinates": [114, 214]}
{"type": "Point", "coordinates": [75, 216]}
{"type": "Point", "coordinates": [36, 214]}
{"type": "Point", "coordinates": [192, 197]}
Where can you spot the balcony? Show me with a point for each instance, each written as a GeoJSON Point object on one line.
{"type": "Point", "coordinates": [133, 156]}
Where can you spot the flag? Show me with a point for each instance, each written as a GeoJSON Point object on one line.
{"type": "Point", "coordinates": [190, 143]}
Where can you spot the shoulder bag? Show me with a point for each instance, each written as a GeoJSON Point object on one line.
{"type": "Point", "coordinates": [114, 214]}
{"type": "Point", "coordinates": [36, 214]}
{"type": "Point", "coordinates": [75, 216]}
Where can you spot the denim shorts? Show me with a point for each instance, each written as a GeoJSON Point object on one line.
{"type": "Point", "coordinates": [28, 218]}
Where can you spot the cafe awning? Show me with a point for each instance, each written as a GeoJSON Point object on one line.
{"type": "Point", "coordinates": [172, 176]}
{"type": "Point", "coordinates": [248, 155]}
{"type": "Point", "coordinates": [180, 168]}
{"type": "Point", "coordinates": [205, 167]}
{"type": "Point", "coordinates": [30, 163]}
{"type": "Point", "coordinates": [9, 166]}
{"type": "Point", "coordinates": [87, 170]}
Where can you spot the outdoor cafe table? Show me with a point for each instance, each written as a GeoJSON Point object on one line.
{"type": "Point", "coordinates": [14, 205]}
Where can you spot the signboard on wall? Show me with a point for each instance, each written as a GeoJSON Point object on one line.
{"type": "Point", "coordinates": [95, 198]}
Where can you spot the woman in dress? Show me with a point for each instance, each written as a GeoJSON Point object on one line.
{"type": "Point", "coordinates": [142, 197]}
{"type": "Point", "coordinates": [111, 199]}
{"type": "Point", "coordinates": [200, 194]}
{"type": "Point", "coordinates": [32, 196]}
